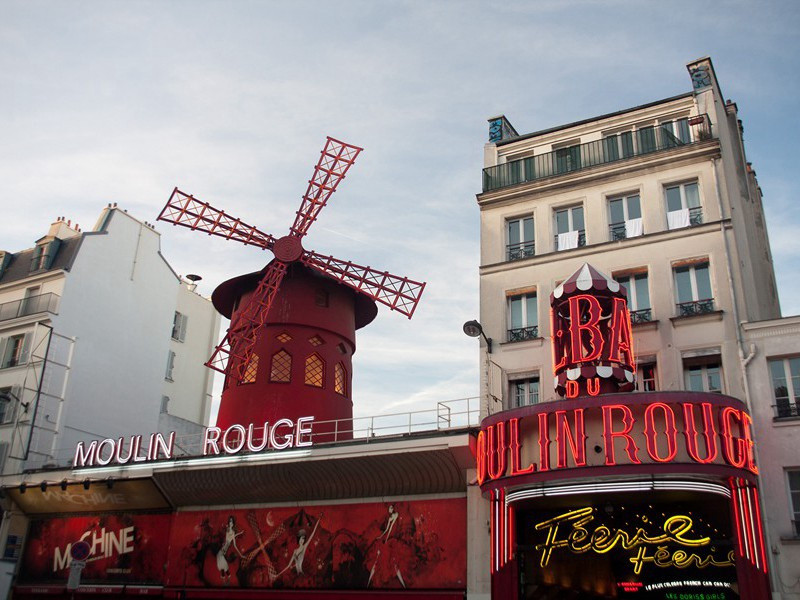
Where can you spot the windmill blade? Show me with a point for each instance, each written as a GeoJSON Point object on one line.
{"type": "Point", "coordinates": [337, 157]}
{"type": "Point", "coordinates": [236, 347]}
{"type": "Point", "coordinates": [187, 211]}
{"type": "Point", "coordinates": [398, 293]}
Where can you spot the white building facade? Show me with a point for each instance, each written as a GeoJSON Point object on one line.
{"type": "Point", "coordinates": [660, 197]}
{"type": "Point", "coordinates": [99, 338]}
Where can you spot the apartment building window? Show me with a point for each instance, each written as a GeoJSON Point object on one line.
{"type": "Point", "coordinates": [703, 377]}
{"type": "Point", "coordinates": [170, 365]}
{"type": "Point", "coordinates": [693, 290]}
{"type": "Point", "coordinates": [647, 375]}
{"type": "Point", "coordinates": [570, 231]}
{"type": "Point", "coordinates": [794, 496]}
{"type": "Point", "coordinates": [675, 133]}
{"type": "Point", "coordinates": [15, 352]}
{"type": "Point", "coordinates": [618, 146]}
{"type": "Point", "coordinates": [625, 217]}
{"type": "Point", "coordinates": [683, 205]}
{"type": "Point", "coordinates": [646, 140]}
{"type": "Point", "coordinates": [179, 327]}
{"type": "Point", "coordinates": [636, 284]}
{"type": "Point", "coordinates": [567, 159]}
{"type": "Point", "coordinates": [7, 405]}
{"type": "Point", "coordinates": [519, 233]}
{"type": "Point", "coordinates": [524, 391]}
{"type": "Point", "coordinates": [785, 375]}
{"type": "Point", "coordinates": [523, 318]}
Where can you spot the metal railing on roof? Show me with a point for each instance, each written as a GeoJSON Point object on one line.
{"type": "Point", "coordinates": [612, 148]}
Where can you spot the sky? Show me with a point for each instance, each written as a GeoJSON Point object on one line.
{"type": "Point", "coordinates": [231, 101]}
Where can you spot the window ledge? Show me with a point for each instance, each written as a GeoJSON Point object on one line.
{"type": "Point", "coordinates": [537, 342]}
{"type": "Point", "coordinates": [790, 539]}
{"type": "Point", "coordinates": [714, 315]}
{"type": "Point", "coordinates": [787, 420]}
{"type": "Point", "coordinates": [645, 325]}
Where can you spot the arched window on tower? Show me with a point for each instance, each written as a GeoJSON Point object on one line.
{"type": "Point", "coordinates": [315, 371]}
{"type": "Point", "coordinates": [251, 369]}
{"type": "Point", "coordinates": [281, 370]}
{"type": "Point", "coordinates": [340, 379]}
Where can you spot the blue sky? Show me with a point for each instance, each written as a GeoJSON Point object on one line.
{"type": "Point", "coordinates": [231, 101]}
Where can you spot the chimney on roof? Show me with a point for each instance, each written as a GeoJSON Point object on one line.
{"type": "Point", "coordinates": [63, 229]}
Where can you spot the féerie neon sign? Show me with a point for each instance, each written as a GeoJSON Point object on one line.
{"type": "Point", "coordinates": [571, 531]}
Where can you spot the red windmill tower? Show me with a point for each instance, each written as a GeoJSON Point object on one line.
{"type": "Point", "coordinates": [288, 351]}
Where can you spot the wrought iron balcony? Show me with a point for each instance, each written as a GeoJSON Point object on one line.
{"type": "Point", "coordinates": [644, 315]}
{"type": "Point", "coordinates": [519, 251]}
{"type": "Point", "coordinates": [520, 334]}
{"type": "Point", "coordinates": [697, 307]}
{"type": "Point", "coordinates": [29, 306]}
{"type": "Point", "coordinates": [617, 231]}
{"type": "Point", "coordinates": [607, 150]}
{"type": "Point", "coordinates": [796, 526]}
{"type": "Point", "coordinates": [695, 216]}
{"type": "Point", "coordinates": [785, 409]}
{"type": "Point", "coordinates": [581, 240]}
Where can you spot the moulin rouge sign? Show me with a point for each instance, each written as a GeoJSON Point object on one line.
{"type": "Point", "coordinates": [236, 439]}
{"type": "Point", "coordinates": [593, 356]}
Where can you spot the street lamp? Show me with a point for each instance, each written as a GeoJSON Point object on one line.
{"type": "Point", "coordinates": [473, 329]}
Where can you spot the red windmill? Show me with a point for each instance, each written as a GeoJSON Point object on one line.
{"type": "Point", "coordinates": [288, 350]}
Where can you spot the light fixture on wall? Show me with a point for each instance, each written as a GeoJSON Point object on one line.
{"type": "Point", "coordinates": [474, 329]}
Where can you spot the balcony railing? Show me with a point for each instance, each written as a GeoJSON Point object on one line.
{"type": "Point", "coordinates": [29, 306]}
{"type": "Point", "coordinates": [519, 251]}
{"type": "Point", "coordinates": [617, 231]}
{"type": "Point", "coordinates": [644, 315]}
{"type": "Point", "coordinates": [581, 240]}
{"type": "Point", "coordinates": [695, 216]}
{"type": "Point", "coordinates": [610, 149]}
{"type": "Point", "coordinates": [785, 409]}
{"type": "Point", "coordinates": [520, 334]}
{"type": "Point", "coordinates": [697, 307]}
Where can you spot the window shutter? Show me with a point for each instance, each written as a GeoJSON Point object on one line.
{"type": "Point", "coordinates": [26, 346]}
{"type": "Point", "coordinates": [51, 249]}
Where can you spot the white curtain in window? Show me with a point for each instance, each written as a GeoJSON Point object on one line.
{"type": "Point", "coordinates": [633, 228]}
{"type": "Point", "coordinates": [568, 240]}
{"type": "Point", "coordinates": [677, 219]}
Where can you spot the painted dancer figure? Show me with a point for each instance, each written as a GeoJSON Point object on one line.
{"type": "Point", "coordinates": [390, 552]}
{"type": "Point", "coordinates": [300, 552]}
{"type": "Point", "coordinates": [230, 538]}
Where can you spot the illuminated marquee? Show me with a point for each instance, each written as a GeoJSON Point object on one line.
{"type": "Point", "coordinates": [283, 433]}
{"type": "Point", "coordinates": [657, 428]}
{"type": "Point", "coordinates": [591, 334]}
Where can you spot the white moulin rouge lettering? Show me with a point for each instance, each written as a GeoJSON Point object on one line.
{"type": "Point", "coordinates": [282, 434]}
{"type": "Point", "coordinates": [102, 543]}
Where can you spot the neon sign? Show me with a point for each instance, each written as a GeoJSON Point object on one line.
{"type": "Point", "coordinates": [543, 438]}
{"type": "Point", "coordinates": [592, 338]}
{"type": "Point", "coordinates": [283, 433]}
{"type": "Point", "coordinates": [577, 532]}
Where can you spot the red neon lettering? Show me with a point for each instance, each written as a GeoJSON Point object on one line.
{"type": "Point", "coordinates": [651, 435]}
{"type": "Point", "coordinates": [559, 356]}
{"type": "Point", "coordinates": [621, 349]}
{"type": "Point", "coordinates": [515, 450]}
{"type": "Point", "coordinates": [480, 457]}
{"type": "Point", "coordinates": [572, 388]}
{"type": "Point", "coordinates": [747, 423]}
{"type": "Point", "coordinates": [576, 442]}
{"type": "Point", "coordinates": [593, 386]}
{"type": "Point", "coordinates": [577, 327]}
{"type": "Point", "coordinates": [709, 433]}
{"type": "Point", "coordinates": [544, 442]}
{"type": "Point", "coordinates": [496, 442]}
{"type": "Point", "coordinates": [733, 449]}
{"type": "Point", "coordinates": [609, 434]}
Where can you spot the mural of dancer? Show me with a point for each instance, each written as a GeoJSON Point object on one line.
{"type": "Point", "coordinates": [230, 538]}
{"type": "Point", "coordinates": [392, 550]}
{"type": "Point", "coordinates": [299, 553]}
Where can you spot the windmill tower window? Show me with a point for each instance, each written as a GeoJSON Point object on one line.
{"type": "Point", "coordinates": [251, 369]}
{"type": "Point", "coordinates": [340, 379]}
{"type": "Point", "coordinates": [281, 371]}
{"type": "Point", "coordinates": [283, 338]}
{"type": "Point", "coordinates": [315, 371]}
{"type": "Point", "coordinates": [316, 341]}
{"type": "Point", "coordinates": [321, 298]}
